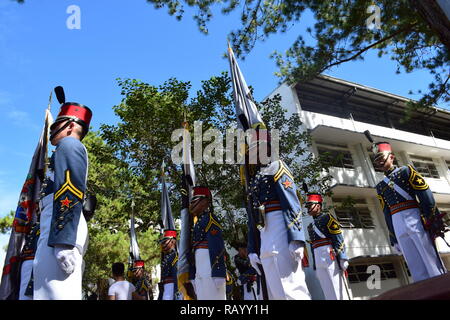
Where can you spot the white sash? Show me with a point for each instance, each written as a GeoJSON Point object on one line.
{"type": "Point", "coordinates": [316, 230]}
{"type": "Point", "coordinates": [397, 188]}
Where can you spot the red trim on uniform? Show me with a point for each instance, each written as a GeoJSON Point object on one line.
{"type": "Point", "coordinates": [200, 245]}
{"type": "Point", "coordinates": [28, 258]}
{"type": "Point", "coordinates": [270, 209]}
{"type": "Point", "coordinates": [168, 280]}
{"type": "Point", "coordinates": [320, 243]}
{"type": "Point", "coordinates": [409, 204]}
{"type": "Point", "coordinates": [271, 202]}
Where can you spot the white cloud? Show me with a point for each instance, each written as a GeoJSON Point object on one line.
{"type": "Point", "coordinates": [18, 117]}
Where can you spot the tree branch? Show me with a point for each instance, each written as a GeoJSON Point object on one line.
{"type": "Point", "coordinates": [369, 47]}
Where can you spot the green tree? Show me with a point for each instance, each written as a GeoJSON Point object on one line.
{"type": "Point", "coordinates": [142, 139]}
{"type": "Point", "coordinates": [109, 240]}
{"type": "Point", "coordinates": [415, 34]}
{"type": "Point", "coordinates": [6, 222]}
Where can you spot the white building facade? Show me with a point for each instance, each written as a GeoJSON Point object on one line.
{"type": "Point", "coordinates": [336, 113]}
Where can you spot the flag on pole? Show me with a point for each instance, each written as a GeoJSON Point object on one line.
{"type": "Point", "coordinates": [188, 164]}
{"type": "Point", "coordinates": [166, 210]}
{"type": "Point", "coordinates": [184, 248]}
{"type": "Point", "coordinates": [134, 248]}
{"type": "Point", "coordinates": [246, 111]}
{"type": "Point", "coordinates": [26, 214]}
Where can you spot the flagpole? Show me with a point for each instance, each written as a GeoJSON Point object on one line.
{"type": "Point", "coordinates": [245, 119]}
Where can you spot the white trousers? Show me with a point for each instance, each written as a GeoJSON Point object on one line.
{"type": "Point", "coordinates": [285, 277]}
{"type": "Point", "coordinates": [50, 281]}
{"type": "Point", "coordinates": [25, 276]}
{"type": "Point", "coordinates": [416, 245]}
{"type": "Point", "coordinates": [168, 292]}
{"type": "Point", "coordinates": [330, 276]}
{"type": "Point", "coordinates": [205, 288]}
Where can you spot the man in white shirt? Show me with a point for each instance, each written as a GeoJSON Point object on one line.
{"type": "Point", "coordinates": [121, 289]}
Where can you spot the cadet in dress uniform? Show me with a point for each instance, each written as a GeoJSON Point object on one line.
{"type": "Point", "coordinates": [57, 266]}
{"type": "Point", "coordinates": [141, 280]}
{"type": "Point", "coordinates": [405, 196]}
{"type": "Point", "coordinates": [169, 259]}
{"type": "Point", "coordinates": [329, 258]}
{"type": "Point", "coordinates": [278, 215]}
{"type": "Point", "coordinates": [27, 257]}
{"type": "Point", "coordinates": [247, 274]}
{"type": "Point", "coordinates": [208, 248]}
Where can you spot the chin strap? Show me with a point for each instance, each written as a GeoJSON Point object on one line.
{"type": "Point", "coordinates": [69, 121]}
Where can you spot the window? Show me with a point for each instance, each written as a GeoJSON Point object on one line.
{"type": "Point", "coordinates": [355, 216]}
{"type": "Point", "coordinates": [358, 273]}
{"type": "Point", "coordinates": [336, 156]}
{"type": "Point", "coordinates": [425, 166]}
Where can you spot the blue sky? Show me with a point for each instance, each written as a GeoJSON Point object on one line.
{"type": "Point", "coordinates": [124, 39]}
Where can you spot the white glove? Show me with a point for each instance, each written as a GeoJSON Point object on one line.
{"type": "Point", "coordinates": [66, 258]}
{"type": "Point", "coordinates": [344, 264]}
{"type": "Point", "coordinates": [219, 282]}
{"type": "Point", "coordinates": [397, 248]}
{"type": "Point", "coordinates": [254, 261]}
{"type": "Point", "coordinates": [296, 249]}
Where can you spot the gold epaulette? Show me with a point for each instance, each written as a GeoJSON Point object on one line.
{"type": "Point", "coordinates": [416, 180]}
{"type": "Point", "coordinates": [333, 225]}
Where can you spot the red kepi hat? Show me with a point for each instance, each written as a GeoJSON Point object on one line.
{"type": "Point", "coordinates": [76, 112]}
{"type": "Point", "coordinates": [314, 198]}
{"type": "Point", "coordinates": [169, 234]}
{"type": "Point", "coordinates": [201, 192]}
{"type": "Point", "coordinates": [381, 149]}
{"type": "Point", "coordinates": [139, 264]}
